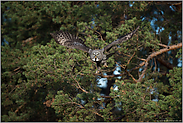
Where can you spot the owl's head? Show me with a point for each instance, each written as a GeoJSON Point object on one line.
{"type": "Point", "coordinates": [96, 55]}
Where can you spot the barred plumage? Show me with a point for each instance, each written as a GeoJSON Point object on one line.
{"type": "Point", "coordinates": [68, 40]}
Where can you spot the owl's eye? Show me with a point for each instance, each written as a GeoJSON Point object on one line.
{"type": "Point", "coordinates": [95, 53]}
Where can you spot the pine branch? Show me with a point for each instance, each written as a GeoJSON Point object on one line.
{"type": "Point", "coordinates": [168, 48]}
{"type": "Point", "coordinates": [173, 47]}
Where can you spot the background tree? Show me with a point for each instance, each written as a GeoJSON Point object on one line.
{"type": "Point", "coordinates": [43, 81]}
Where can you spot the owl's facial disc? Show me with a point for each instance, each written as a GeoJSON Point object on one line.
{"type": "Point", "coordinates": [96, 56]}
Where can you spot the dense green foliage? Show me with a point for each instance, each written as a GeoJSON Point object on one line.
{"type": "Point", "coordinates": [43, 81]}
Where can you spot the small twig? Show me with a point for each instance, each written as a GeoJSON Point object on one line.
{"type": "Point", "coordinates": [141, 59]}
{"type": "Point", "coordinates": [131, 76]}
{"type": "Point", "coordinates": [13, 89]}
{"type": "Point", "coordinates": [76, 104]}
{"type": "Point", "coordinates": [163, 45]}
{"type": "Point", "coordinates": [42, 54]}
{"type": "Point", "coordinates": [127, 71]}
{"type": "Point", "coordinates": [111, 76]}
{"type": "Point", "coordinates": [82, 107]}
{"type": "Point", "coordinates": [20, 107]}
{"type": "Point", "coordinates": [78, 85]}
{"type": "Point", "coordinates": [100, 35]}
{"type": "Point", "coordinates": [17, 72]}
{"type": "Point", "coordinates": [136, 57]}
{"type": "Point", "coordinates": [131, 58]}
{"type": "Point", "coordinates": [16, 69]}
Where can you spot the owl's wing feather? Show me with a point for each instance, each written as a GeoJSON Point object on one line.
{"type": "Point", "coordinates": [70, 41]}
{"type": "Point", "coordinates": [120, 40]}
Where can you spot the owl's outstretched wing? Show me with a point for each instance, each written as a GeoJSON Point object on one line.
{"type": "Point", "coordinates": [120, 40]}
{"type": "Point", "coordinates": [70, 41]}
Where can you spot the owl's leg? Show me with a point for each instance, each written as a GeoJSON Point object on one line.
{"type": "Point", "coordinates": [104, 61]}
{"type": "Point", "coordinates": [98, 70]}
{"type": "Point", "coordinates": [105, 64]}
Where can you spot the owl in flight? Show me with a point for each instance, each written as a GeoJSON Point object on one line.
{"type": "Point", "coordinates": [98, 56]}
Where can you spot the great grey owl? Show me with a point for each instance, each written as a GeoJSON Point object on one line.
{"type": "Point", "coordinates": [98, 56]}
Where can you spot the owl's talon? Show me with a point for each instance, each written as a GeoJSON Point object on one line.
{"type": "Point", "coordinates": [105, 65]}
{"type": "Point", "coordinates": [98, 70]}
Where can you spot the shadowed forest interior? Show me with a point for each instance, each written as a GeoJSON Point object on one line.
{"type": "Point", "coordinates": [44, 81]}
